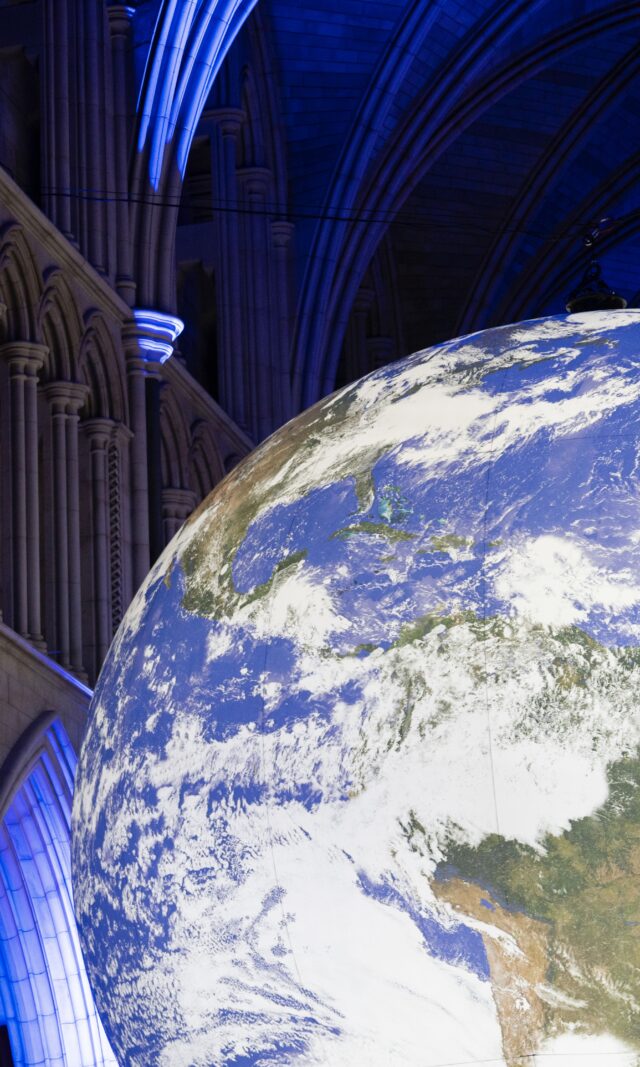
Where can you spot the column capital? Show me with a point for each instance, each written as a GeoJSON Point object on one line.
{"type": "Point", "coordinates": [119, 16]}
{"type": "Point", "coordinates": [24, 356]}
{"type": "Point", "coordinates": [229, 119]}
{"type": "Point", "coordinates": [178, 503]}
{"type": "Point", "coordinates": [66, 397]}
{"type": "Point", "coordinates": [99, 431]}
{"type": "Point", "coordinates": [282, 232]}
{"type": "Point", "coordinates": [151, 335]}
{"type": "Point", "coordinates": [256, 180]}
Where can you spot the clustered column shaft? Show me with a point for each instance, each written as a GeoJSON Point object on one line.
{"type": "Point", "coordinates": [55, 97]}
{"type": "Point", "coordinates": [100, 433]}
{"type": "Point", "coordinates": [65, 401]}
{"type": "Point", "coordinates": [281, 235]}
{"type": "Point", "coordinates": [251, 274]}
{"type": "Point", "coordinates": [77, 136]}
{"type": "Point", "coordinates": [227, 124]}
{"type": "Point", "coordinates": [136, 376]}
{"type": "Point", "coordinates": [177, 505]}
{"type": "Point", "coordinates": [258, 353]}
{"type": "Point", "coordinates": [154, 470]}
{"type": "Point", "coordinates": [120, 29]}
{"type": "Point", "coordinates": [75, 401]}
{"type": "Point", "coordinates": [25, 360]}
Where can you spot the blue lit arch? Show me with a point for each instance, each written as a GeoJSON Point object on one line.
{"type": "Point", "coordinates": [384, 180]}
{"type": "Point", "coordinates": [190, 41]}
{"type": "Point", "coordinates": [44, 993]}
{"type": "Point", "coordinates": [188, 46]}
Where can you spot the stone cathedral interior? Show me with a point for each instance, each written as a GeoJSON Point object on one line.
{"type": "Point", "coordinates": [214, 213]}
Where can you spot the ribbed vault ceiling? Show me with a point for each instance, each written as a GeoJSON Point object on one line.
{"type": "Point", "coordinates": [480, 138]}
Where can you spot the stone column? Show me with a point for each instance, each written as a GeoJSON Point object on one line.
{"type": "Point", "coordinates": [76, 398]}
{"type": "Point", "coordinates": [120, 29]}
{"type": "Point", "coordinates": [56, 115]}
{"type": "Point", "coordinates": [93, 99]}
{"type": "Point", "coordinates": [25, 360]}
{"type": "Point", "coordinates": [58, 408]}
{"type": "Point", "coordinates": [177, 505]}
{"type": "Point", "coordinates": [136, 376]}
{"type": "Point", "coordinates": [33, 496]}
{"type": "Point", "coordinates": [65, 401]}
{"type": "Point", "coordinates": [148, 342]}
{"type": "Point", "coordinates": [281, 234]}
{"type": "Point", "coordinates": [225, 127]}
{"type": "Point", "coordinates": [99, 433]}
{"type": "Point", "coordinates": [121, 578]}
{"type": "Point", "coordinates": [154, 464]}
{"type": "Point", "coordinates": [255, 182]}
{"type": "Point", "coordinates": [19, 495]}
{"type": "Point", "coordinates": [357, 334]}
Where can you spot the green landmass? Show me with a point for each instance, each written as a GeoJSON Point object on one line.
{"type": "Point", "coordinates": [446, 542]}
{"type": "Point", "coordinates": [374, 529]}
{"type": "Point", "coordinates": [570, 910]}
{"type": "Point", "coordinates": [366, 646]}
{"type": "Point", "coordinates": [257, 484]}
{"type": "Point", "coordinates": [393, 504]}
{"type": "Point", "coordinates": [241, 497]}
{"type": "Point", "coordinates": [419, 628]}
{"type": "Point", "coordinates": [583, 890]}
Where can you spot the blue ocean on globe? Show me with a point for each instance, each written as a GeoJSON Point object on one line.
{"type": "Point", "coordinates": [361, 780]}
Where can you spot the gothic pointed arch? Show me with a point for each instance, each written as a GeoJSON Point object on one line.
{"type": "Point", "coordinates": [467, 86]}
{"type": "Point", "coordinates": [374, 334]}
{"type": "Point", "coordinates": [37, 924]}
{"type": "Point", "coordinates": [560, 261]}
{"type": "Point", "coordinates": [175, 442]}
{"type": "Point", "coordinates": [576, 129]}
{"type": "Point", "coordinates": [206, 468]}
{"type": "Point", "coordinates": [100, 366]}
{"type": "Point", "coordinates": [20, 284]}
{"type": "Point", "coordinates": [60, 328]}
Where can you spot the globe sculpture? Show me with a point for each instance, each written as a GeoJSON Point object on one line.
{"type": "Point", "coordinates": [361, 781]}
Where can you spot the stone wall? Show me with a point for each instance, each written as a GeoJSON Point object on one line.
{"type": "Point", "coordinates": [30, 684]}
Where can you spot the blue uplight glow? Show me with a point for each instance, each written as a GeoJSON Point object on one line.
{"type": "Point", "coordinates": [190, 42]}
{"type": "Point", "coordinates": [44, 992]}
{"type": "Point", "coordinates": [157, 333]}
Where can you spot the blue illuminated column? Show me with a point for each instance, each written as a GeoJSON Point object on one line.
{"type": "Point", "coordinates": [149, 342]}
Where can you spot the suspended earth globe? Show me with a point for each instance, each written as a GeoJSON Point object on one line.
{"type": "Point", "coordinates": [361, 781]}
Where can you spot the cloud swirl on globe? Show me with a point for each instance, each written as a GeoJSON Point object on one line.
{"type": "Point", "coordinates": [361, 781]}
